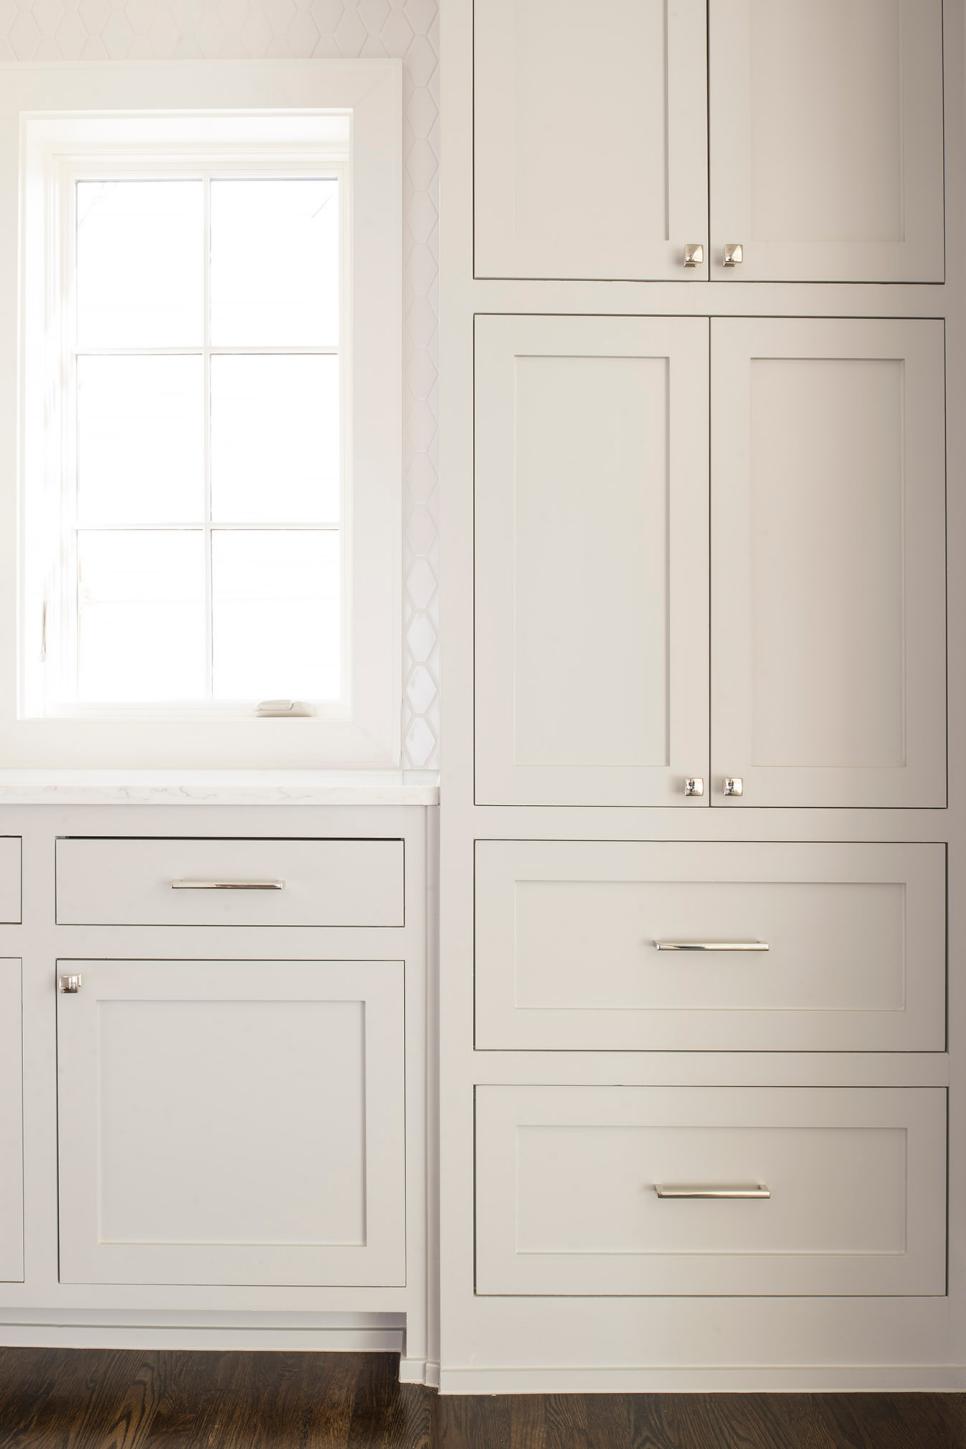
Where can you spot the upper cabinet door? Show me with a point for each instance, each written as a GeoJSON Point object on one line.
{"type": "Point", "coordinates": [827, 140]}
{"type": "Point", "coordinates": [828, 562]}
{"type": "Point", "coordinates": [590, 138]}
{"type": "Point", "coordinates": [591, 560]}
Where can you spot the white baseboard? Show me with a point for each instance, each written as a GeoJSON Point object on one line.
{"type": "Point", "coordinates": [772, 1379]}
{"type": "Point", "coordinates": [424, 1371]}
{"type": "Point", "coordinates": [217, 1338]}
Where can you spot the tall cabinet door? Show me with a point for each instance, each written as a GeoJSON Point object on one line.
{"type": "Point", "coordinates": [591, 560]}
{"type": "Point", "coordinates": [826, 127]}
{"type": "Point", "coordinates": [828, 562]}
{"type": "Point", "coordinates": [590, 138]}
{"type": "Point", "coordinates": [11, 1124]}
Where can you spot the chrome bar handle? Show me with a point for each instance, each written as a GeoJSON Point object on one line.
{"type": "Point", "coordinates": [754, 1192]}
{"type": "Point", "coordinates": [711, 946]}
{"type": "Point", "coordinates": [227, 885]}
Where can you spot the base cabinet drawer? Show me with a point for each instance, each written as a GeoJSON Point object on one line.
{"type": "Point", "coordinates": [196, 882]}
{"type": "Point", "coordinates": [11, 1123]}
{"type": "Point", "coordinates": [10, 891]}
{"type": "Point", "coordinates": [710, 1191]}
{"type": "Point", "coordinates": [231, 1122]}
{"type": "Point", "coordinates": [593, 945]}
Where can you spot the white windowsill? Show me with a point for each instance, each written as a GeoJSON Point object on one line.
{"type": "Point", "coordinates": [219, 787]}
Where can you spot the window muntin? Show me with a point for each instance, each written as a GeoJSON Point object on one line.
{"type": "Point", "coordinates": [204, 472]}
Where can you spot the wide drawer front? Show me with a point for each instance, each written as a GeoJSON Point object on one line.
{"type": "Point", "coordinates": [695, 1190]}
{"type": "Point", "coordinates": [587, 945]}
{"type": "Point", "coordinates": [9, 879]}
{"type": "Point", "coordinates": [184, 882]}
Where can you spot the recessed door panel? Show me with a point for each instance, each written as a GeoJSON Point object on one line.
{"type": "Point", "coordinates": [231, 1122]}
{"type": "Point", "coordinates": [590, 138]}
{"type": "Point", "coordinates": [828, 562]}
{"type": "Point", "coordinates": [826, 130]}
{"type": "Point", "coordinates": [591, 559]}
{"type": "Point", "coordinates": [11, 1123]}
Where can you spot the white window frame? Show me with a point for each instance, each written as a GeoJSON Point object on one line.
{"type": "Point", "coordinates": [60, 122]}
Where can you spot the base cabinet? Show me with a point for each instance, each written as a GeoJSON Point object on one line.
{"type": "Point", "coordinates": [11, 1124]}
{"type": "Point", "coordinates": [231, 1122]}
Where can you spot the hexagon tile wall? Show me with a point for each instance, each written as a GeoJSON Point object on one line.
{"type": "Point", "coordinates": [32, 30]}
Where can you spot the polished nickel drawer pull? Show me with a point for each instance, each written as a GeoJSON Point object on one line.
{"type": "Point", "coordinates": [227, 885]}
{"type": "Point", "coordinates": [711, 945]}
{"type": "Point", "coordinates": [753, 1191]}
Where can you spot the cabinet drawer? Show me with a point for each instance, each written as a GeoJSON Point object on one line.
{"type": "Point", "coordinates": [567, 954]}
{"type": "Point", "coordinates": [182, 882]}
{"type": "Point", "coordinates": [9, 879]}
{"type": "Point", "coordinates": [568, 1201]}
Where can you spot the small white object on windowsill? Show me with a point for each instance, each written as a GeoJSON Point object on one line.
{"type": "Point", "coordinates": [284, 709]}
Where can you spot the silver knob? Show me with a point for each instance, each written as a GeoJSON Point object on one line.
{"type": "Point", "coordinates": [734, 255]}
{"type": "Point", "coordinates": [734, 786]}
{"type": "Point", "coordinates": [694, 254]}
{"type": "Point", "coordinates": [70, 985]}
{"type": "Point", "coordinates": [694, 785]}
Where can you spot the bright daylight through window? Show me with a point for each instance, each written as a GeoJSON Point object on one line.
{"type": "Point", "coordinates": [201, 548]}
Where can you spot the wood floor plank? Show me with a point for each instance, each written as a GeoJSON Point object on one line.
{"type": "Point", "coordinates": [87, 1399]}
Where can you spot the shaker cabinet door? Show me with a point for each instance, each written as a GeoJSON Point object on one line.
{"type": "Point", "coordinates": [826, 131]}
{"type": "Point", "coordinates": [11, 1124]}
{"type": "Point", "coordinates": [231, 1122]}
{"type": "Point", "coordinates": [591, 560]}
{"type": "Point", "coordinates": [828, 562]}
{"type": "Point", "coordinates": [590, 138]}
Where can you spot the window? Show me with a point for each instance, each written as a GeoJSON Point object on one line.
{"type": "Point", "coordinates": [210, 424]}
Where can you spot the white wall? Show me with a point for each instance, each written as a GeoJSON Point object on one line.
{"type": "Point", "coordinates": [32, 30]}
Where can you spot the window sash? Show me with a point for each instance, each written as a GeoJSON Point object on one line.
{"type": "Point", "coordinates": [60, 609]}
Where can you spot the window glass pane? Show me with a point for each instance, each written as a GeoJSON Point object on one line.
{"type": "Point", "coordinates": [140, 439]}
{"type": "Point", "coordinates": [275, 607]}
{"type": "Point", "coordinates": [140, 263]}
{"type": "Point", "coordinates": [141, 616]}
{"type": "Point", "coordinates": [275, 439]}
{"type": "Point", "coordinates": [275, 263]}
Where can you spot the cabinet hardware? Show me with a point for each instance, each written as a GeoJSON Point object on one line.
{"type": "Point", "coordinates": [734, 785]}
{"type": "Point", "coordinates": [711, 946]}
{"type": "Point", "coordinates": [734, 255]}
{"type": "Point", "coordinates": [227, 885]}
{"type": "Point", "coordinates": [70, 985]}
{"type": "Point", "coordinates": [694, 785]}
{"type": "Point", "coordinates": [694, 255]}
{"type": "Point", "coordinates": [757, 1191]}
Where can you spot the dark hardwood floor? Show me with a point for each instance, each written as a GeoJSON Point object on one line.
{"type": "Point", "coordinates": [152, 1400]}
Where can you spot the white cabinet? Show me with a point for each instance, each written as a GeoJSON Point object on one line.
{"type": "Point", "coordinates": [178, 882]}
{"type": "Point", "coordinates": [232, 1122]}
{"type": "Point", "coordinates": [591, 559]}
{"type": "Point", "coordinates": [591, 147]}
{"type": "Point", "coordinates": [9, 879]}
{"type": "Point", "coordinates": [593, 120]}
{"type": "Point", "coordinates": [11, 1124]}
{"type": "Point", "coordinates": [828, 540]}
{"type": "Point", "coordinates": [826, 133]}
{"type": "Point", "coordinates": [693, 1190]}
{"type": "Point", "coordinates": [588, 945]}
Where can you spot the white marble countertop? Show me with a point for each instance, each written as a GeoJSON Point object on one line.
{"type": "Point", "coordinates": [219, 787]}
